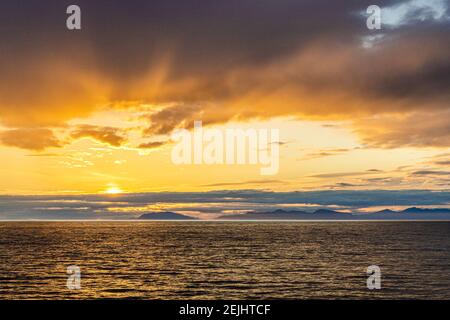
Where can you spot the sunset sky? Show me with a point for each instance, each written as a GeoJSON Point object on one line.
{"type": "Point", "coordinates": [91, 110]}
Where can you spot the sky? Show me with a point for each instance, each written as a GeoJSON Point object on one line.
{"type": "Point", "coordinates": [91, 111]}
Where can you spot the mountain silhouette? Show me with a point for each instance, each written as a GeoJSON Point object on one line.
{"type": "Point", "coordinates": [279, 214]}
{"type": "Point", "coordinates": [165, 216]}
{"type": "Point", "coordinates": [412, 213]}
{"type": "Point", "coordinates": [415, 210]}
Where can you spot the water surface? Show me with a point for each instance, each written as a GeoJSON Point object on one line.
{"type": "Point", "coordinates": [224, 260]}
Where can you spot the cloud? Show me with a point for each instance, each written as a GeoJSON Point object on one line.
{"type": "Point", "coordinates": [342, 185]}
{"type": "Point", "coordinates": [109, 135]}
{"type": "Point", "coordinates": [443, 163]}
{"type": "Point", "coordinates": [344, 174]}
{"type": "Point", "coordinates": [44, 155]}
{"type": "Point", "coordinates": [419, 129]}
{"type": "Point", "coordinates": [132, 205]}
{"type": "Point", "coordinates": [225, 60]}
{"type": "Point", "coordinates": [442, 159]}
{"type": "Point", "coordinates": [31, 139]}
{"type": "Point", "coordinates": [431, 173]}
{"type": "Point", "coordinates": [413, 11]}
{"type": "Point", "coordinates": [243, 183]}
{"type": "Point", "coordinates": [325, 153]}
{"type": "Point", "coordinates": [151, 145]}
{"type": "Point", "coordinates": [164, 121]}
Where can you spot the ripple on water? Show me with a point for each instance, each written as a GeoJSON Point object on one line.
{"type": "Point", "coordinates": [177, 260]}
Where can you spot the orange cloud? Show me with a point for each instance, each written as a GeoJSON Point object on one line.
{"type": "Point", "coordinates": [420, 129]}
{"type": "Point", "coordinates": [31, 139]}
{"type": "Point", "coordinates": [48, 91]}
{"type": "Point", "coordinates": [109, 135]}
{"type": "Point", "coordinates": [151, 145]}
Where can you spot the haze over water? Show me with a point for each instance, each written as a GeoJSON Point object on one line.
{"type": "Point", "coordinates": [224, 260]}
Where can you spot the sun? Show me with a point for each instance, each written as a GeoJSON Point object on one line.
{"type": "Point", "coordinates": [112, 189]}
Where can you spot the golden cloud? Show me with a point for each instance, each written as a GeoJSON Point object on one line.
{"type": "Point", "coordinates": [36, 139]}
{"type": "Point", "coordinates": [109, 135]}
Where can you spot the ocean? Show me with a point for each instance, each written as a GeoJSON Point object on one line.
{"type": "Point", "coordinates": [224, 260]}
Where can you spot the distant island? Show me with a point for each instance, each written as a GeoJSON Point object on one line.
{"type": "Point", "coordinates": [324, 214]}
{"type": "Point", "coordinates": [321, 214]}
{"type": "Point", "coordinates": [165, 216]}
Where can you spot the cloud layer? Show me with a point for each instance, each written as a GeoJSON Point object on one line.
{"type": "Point", "coordinates": [208, 204]}
{"type": "Point", "coordinates": [223, 60]}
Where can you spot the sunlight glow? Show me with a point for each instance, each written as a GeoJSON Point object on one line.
{"type": "Point", "coordinates": [112, 189]}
